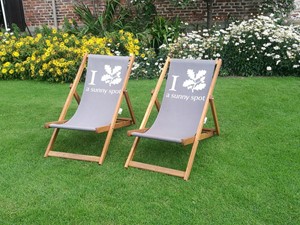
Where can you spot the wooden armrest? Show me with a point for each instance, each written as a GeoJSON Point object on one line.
{"type": "Point", "coordinates": [188, 141]}
{"type": "Point", "coordinates": [47, 125]}
{"type": "Point", "coordinates": [129, 133]}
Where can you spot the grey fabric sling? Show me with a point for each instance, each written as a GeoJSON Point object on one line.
{"type": "Point", "coordinates": [103, 86]}
{"type": "Point", "coordinates": [183, 101]}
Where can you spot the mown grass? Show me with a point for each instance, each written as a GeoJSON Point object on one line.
{"type": "Point", "coordinates": [247, 175]}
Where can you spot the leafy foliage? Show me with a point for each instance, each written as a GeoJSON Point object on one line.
{"type": "Point", "coordinates": [99, 24]}
{"type": "Point", "coordinates": [255, 47]}
{"type": "Point", "coordinates": [280, 8]}
{"type": "Point", "coordinates": [54, 55]}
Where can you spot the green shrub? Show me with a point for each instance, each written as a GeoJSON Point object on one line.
{"type": "Point", "coordinates": [280, 8]}
{"type": "Point", "coordinates": [54, 55]}
{"type": "Point", "coordinates": [255, 47]}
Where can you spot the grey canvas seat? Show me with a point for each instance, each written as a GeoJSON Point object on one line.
{"type": "Point", "coordinates": [180, 119]}
{"type": "Point", "coordinates": [104, 88]}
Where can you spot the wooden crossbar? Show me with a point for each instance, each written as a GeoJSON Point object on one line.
{"type": "Point", "coordinates": [74, 156]}
{"type": "Point", "coordinates": [159, 169]}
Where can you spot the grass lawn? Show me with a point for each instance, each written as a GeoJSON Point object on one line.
{"type": "Point", "coordinates": [250, 174]}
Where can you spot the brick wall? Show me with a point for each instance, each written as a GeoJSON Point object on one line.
{"type": "Point", "coordinates": [296, 13]}
{"type": "Point", "coordinates": [39, 12]}
{"type": "Point", "coordinates": [196, 12]}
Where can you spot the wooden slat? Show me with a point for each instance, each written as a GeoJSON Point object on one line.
{"type": "Point", "coordinates": [51, 142]}
{"type": "Point", "coordinates": [209, 129]}
{"type": "Point", "coordinates": [123, 123]}
{"type": "Point", "coordinates": [188, 141]}
{"type": "Point", "coordinates": [129, 133]}
{"type": "Point", "coordinates": [129, 105]}
{"type": "Point", "coordinates": [159, 169]}
{"type": "Point", "coordinates": [47, 125]}
{"type": "Point", "coordinates": [74, 156]}
{"type": "Point", "coordinates": [120, 123]}
{"type": "Point", "coordinates": [206, 135]}
{"type": "Point", "coordinates": [157, 103]}
{"type": "Point", "coordinates": [215, 117]}
{"type": "Point", "coordinates": [76, 95]}
{"type": "Point", "coordinates": [124, 119]}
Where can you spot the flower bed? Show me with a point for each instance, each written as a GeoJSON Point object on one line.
{"type": "Point", "coordinates": [257, 47]}
{"type": "Point", "coordinates": [55, 55]}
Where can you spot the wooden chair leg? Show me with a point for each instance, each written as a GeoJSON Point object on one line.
{"type": "Point", "coordinates": [132, 151]}
{"type": "Point", "coordinates": [214, 113]}
{"type": "Point", "coordinates": [191, 160]}
{"type": "Point", "coordinates": [129, 106]}
{"type": "Point", "coordinates": [106, 145]}
{"type": "Point", "coordinates": [51, 142]}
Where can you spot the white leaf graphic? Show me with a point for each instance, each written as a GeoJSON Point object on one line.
{"type": "Point", "coordinates": [191, 74]}
{"type": "Point", "coordinates": [116, 69]}
{"type": "Point", "coordinates": [200, 74]}
{"type": "Point", "coordinates": [112, 76]}
{"type": "Point", "coordinates": [108, 69]}
{"type": "Point", "coordinates": [115, 81]}
{"type": "Point", "coordinates": [105, 77]}
{"type": "Point", "coordinates": [196, 81]}
{"type": "Point", "coordinates": [188, 84]}
{"type": "Point", "coordinates": [199, 87]}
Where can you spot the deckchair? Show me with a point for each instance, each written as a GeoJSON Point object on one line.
{"type": "Point", "coordinates": [182, 112]}
{"type": "Point", "coordinates": [104, 88]}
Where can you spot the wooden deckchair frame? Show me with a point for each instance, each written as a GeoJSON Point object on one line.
{"type": "Point", "coordinates": [201, 132]}
{"type": "Point", "coordinates": [115, 122]}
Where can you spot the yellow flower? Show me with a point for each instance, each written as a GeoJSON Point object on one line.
{"type": "Point", "coordinates": [41, 73]}
{"type": "Point", "coordinates": [22, 69]}
{"type": "Point", "coordinates": [54, 31]}
{"type": "Point", "coordinates": [16, 54]}
{"type": "Point", "coordinates": [45, 66]}
{"type": "Point", "coordinates": [11, 71]}
{"type": "Point", "coordinates": [7, 64]}
{"type": "Point", "coordinates": [59, 72]}
{"type": "Point", "coordinates": [4, 71]}
{"type": "Point", "coordinates": [19, 44]}
{"type": "Point", "coordinates": [143, 55]}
